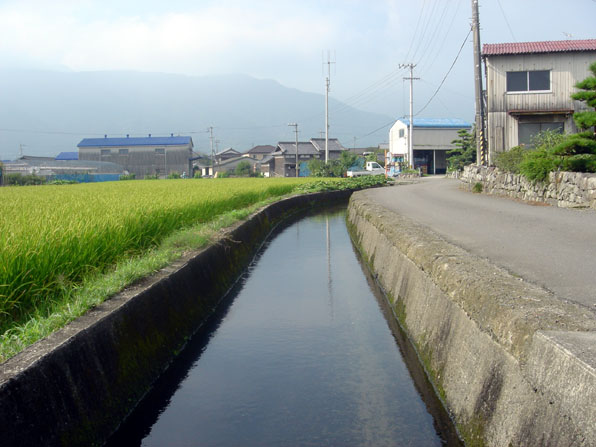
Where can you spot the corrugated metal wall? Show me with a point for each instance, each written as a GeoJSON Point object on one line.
{"type": "Point", "coordinates": [566, 70]}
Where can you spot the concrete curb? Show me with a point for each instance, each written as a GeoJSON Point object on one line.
{"type": "Point", "coordinates": [76, 386]}
{"type": "Point", "coordinates": [493, 346]}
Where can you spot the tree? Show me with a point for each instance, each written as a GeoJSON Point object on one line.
{"type": "Point", "coordinates": [242, 169]}
{"type": "Point", "coordinates": [333, 168]}
{"type": "Point", "coordinates": [578, 152]}
{"type": "Point", "coordinates": [464, 152]}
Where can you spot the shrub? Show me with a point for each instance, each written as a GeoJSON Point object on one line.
{"type": "Point", "coordinates": [243, 169]}
{"type": "Point", "coordinates": [478, 187]}
{"type": "Point", "coordinates": [23, 180]}
{"type": "Point", "coordinates": [537, 164]}
{"type": "Point", "coordinates": [128, 176]}
{"type": "Point", "coordinates": [174, 174]}
{"type": "Point", "coordinates": [510, 160]}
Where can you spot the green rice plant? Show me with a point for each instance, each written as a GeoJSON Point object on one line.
{"type": "Point", "coordinates": [52, 237]}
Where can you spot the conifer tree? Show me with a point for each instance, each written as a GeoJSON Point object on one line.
{"type": "Point", "coordinates": [578, 152]}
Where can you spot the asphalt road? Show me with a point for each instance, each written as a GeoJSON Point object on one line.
{"type": "Point", "coordinates": [549, 246]}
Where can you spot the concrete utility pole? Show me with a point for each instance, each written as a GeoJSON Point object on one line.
{"type": "Point", "coordinates": [411, 131]}
{"type": "Point", "coordinates": [327, 84]}
{"type": "Point", "coordinates": [295, 126]}
{"type": "Point", "coordinates": [481, 155]}
{"type": "Point", "coordinates": [210, 130]}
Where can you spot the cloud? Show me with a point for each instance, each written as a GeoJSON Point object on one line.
{"type": "Point", "coordinates": [195, 41]}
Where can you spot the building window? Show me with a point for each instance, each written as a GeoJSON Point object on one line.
{"type": "Point", "coordinates": [160, 151]}
{"type": "Point", "coordinates": [106, 152]}
{"type": "Point", "coordinates": [528, 81]}
{"type": "Point", "coordinates": [527, 131]}
{"type": "Point", "coordinates": [123, 151]}
{"type": "Point", "coordinates": [402, 133]}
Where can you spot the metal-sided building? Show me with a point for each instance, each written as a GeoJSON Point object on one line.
{"type": "Point", "coordinates": [141, 156]}
{"type": "Point", "coordinates": [431, 140]}
{"type": "Point", "coordinates": [528, 88]}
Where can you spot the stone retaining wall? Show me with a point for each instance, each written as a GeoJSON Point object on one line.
{"type": "Point", "coordinates": [564, 189]}
{"type": "Point", "coordinates": [514, 365]}
{"type": "Point", "coordinates": [76, 386]}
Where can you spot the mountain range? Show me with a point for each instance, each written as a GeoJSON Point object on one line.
{"type": "Point", "coordinates": [46, 112]}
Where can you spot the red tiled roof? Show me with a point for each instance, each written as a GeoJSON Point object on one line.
{"type": "Point", "coordinates": [553, 46]}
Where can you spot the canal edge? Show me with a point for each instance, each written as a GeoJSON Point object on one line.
{"type": "Point", "coordinates": [500, 353]}
{"type": "Point", "coordinates": [77, 385]}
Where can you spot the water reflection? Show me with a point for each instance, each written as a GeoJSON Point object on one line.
{"type": "Point", "coordinates": [299, 355]}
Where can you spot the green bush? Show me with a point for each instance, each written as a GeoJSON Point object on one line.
{"type": "Point", "coordinates": [510, 160]}
{"type": "Point", "coordinates": [243, 169]}
{"type": "Point", "coordinates": [173, 174]}
{"type": "Point", "coordinates": [128, 176]}
{"type": "Point", "coordinates": [477, 188]}
{"type": "Point", "coordinates": [23, 180]}
{"type": "Point", "coordinates": [537, 164]}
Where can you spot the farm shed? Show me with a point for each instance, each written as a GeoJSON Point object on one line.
{"type": "Point", "coordinates": [141, 156]}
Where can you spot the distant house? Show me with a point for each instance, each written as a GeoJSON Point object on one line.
{"type": "Point", "coordinates": [229, 165]}
{"type": "Point", "coordinates": [261, 151]}
{"type": "Point", "coordinates": [141, 156]}
{"type": "Point", "coordinates": [226, 154]}
{"type": "Point", "coordinates": [432, 139]}
{"type": "Point", "coordinates": [528, 88]}
{"type": "Point", "coordinates": [282, 162]}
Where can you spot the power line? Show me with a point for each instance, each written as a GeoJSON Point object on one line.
{"type": "Point", "coordinates": [506, 21]}
{"type": "Point", "coordinates": [446, 74]}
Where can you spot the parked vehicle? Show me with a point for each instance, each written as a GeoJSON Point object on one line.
{"type": "Point", "coordinates": [372, 168]}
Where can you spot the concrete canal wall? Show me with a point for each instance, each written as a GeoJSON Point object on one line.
{"type": "Point", "coordinates": [77, 385]}
{"type": "Point", "coordinates": [513, 364]}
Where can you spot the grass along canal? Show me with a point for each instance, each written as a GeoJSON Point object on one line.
{"type": "Point", "coordinates": [304, 352]}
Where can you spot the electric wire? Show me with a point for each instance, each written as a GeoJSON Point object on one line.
{"type": "Point", "coordinates": [506, 21]}
{"type": "Point", "coordinates": [446, 74]}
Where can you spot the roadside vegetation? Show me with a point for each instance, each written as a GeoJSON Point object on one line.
{"type": "Point", "coordinates": [552, 151]}
{"type": "Point", "coordinates": [464, 152]}
{"type": "Point", "coordinates": [65, 249]}
{"type": "Point", "coordinates": [333, 168]}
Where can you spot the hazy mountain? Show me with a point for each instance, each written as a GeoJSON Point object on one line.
{"type": "Point", "coordinates": [50, 112]}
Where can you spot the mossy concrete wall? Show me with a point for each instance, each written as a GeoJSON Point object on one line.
{"type": "Point", "coordinates": [513, 364]}
{"type": "Point", "coordinates": [76, 386]}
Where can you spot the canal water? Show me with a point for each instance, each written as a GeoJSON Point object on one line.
{"type": "Point", "coordinates": [304, 352]}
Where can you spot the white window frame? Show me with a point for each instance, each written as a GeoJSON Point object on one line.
{"type": "Point", "coordinates": [529, 92]}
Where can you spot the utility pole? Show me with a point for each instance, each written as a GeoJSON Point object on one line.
{"type": "Point", "coordinates": [481, 155]}
{"type": "Point", "coordinates": [411, 131]}
{"type": "Point", "coordinates": [295, 126]}
{"type": "Point", "coordinates": [327, 84]}
{"type": "Point", "coordinates": [210, 130]}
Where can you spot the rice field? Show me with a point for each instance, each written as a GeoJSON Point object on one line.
{"type": "Point", "coordinates": [52, 237]}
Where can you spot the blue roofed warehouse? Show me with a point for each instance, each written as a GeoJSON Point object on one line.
{"type": "Point", "coordinates": [141, 156]}
{"type": "Point", "coordinates": [431, 139]}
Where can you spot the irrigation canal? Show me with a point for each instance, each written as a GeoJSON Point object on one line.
{"type": "Point", "coordinates": [303, 352]}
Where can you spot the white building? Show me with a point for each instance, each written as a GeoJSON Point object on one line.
{"type": "Point", "coordinates": [432, 139]}
{"type": "Point", "coordinates": [528, 88]}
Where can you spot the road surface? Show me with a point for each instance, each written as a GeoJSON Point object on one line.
{"type": "Point", "coordinates": [548, 246]}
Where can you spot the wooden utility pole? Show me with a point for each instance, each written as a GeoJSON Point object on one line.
{"type": "Point", "coordinates": [481, 155]}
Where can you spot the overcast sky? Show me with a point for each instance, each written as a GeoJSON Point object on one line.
{"type": "Point", "coordinates": [284, 40]}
